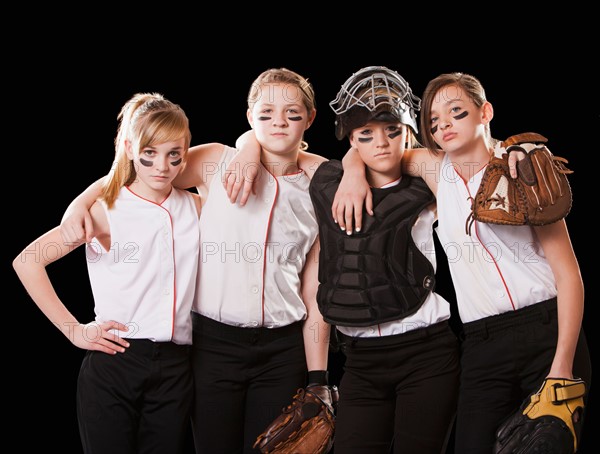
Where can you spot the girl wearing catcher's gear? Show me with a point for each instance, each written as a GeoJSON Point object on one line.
{"type": "Point", "coordinates": [518, 288]}
{"type": "Point", "coordinates": [400, 379]}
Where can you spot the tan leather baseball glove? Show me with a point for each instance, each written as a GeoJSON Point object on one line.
{"type": "Point", "coordinates": [540, 194]}
{"type": "Point", "coordinates": [306, 426]}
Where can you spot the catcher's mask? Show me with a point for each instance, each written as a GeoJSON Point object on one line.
{"type": "Point", "coordinates": [370, 92]}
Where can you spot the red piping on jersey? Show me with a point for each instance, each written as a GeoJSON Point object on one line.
{"type": "Point", "coordinates": [397, 180]}
{"type": "Point", "coordinates": [262, 297]}
{"type": "Point", "coordinates": [173, 312]}
{"type": "Point", "coordinates": [148, 200]}
{"type": "Point", "coordinates": [487, 250]}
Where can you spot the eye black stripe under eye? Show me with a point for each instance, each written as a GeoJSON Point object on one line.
{"type": "Point", "coordinates": [365, 139]}
{"type": "Point", "coordinates": [434, 130]}
{"type": "Point", "coordinates": [146, 163]}
{"type": "Point", "coordinates": [264, 118]}
{"type": "Point", "coordinates": [394, 134]}
{"type": "Point", "coordinates": [461, 115]}
{"type": "Point", "coordinates": [176, 163]}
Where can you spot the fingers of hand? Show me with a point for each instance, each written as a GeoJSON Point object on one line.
{"type": "Point", "coordinates": [512, 164]}
{"type": "Point", "coordinates": [89, 228]}
{"type": "Point", "coordinates": [96, 336]}
{"type": "Point", "coordinates": [348, 214]}
{"type": "Point", "coordinates": [234, 182]}
{"type": "Point", "coordinates": [250, 173]}
{"type": "Point", "coordinates": [114, 326]}
{"type": "Point", "coordinates": [228, 181]}
{"type": "Point", "coordinates": [339, 216]}
{"type": "Point", "coordinates": [349, 219]}
{"type": "Point", "coordinates": [513, 157]}
{"type": "Point", "coordinates": [334, 207]}
{"type": "Point", "coordinates": [111, 339]}
{"type": "Point", "coordinates": [246, 191]}
{"type": "Point", "coordinates": [369, 203]}
{"type": "Point", "coordinates": [357, 218]}
{"type": "Point", "coordinates": [234, 191]}
{"type": "Point", "coordinates": [106, 347]}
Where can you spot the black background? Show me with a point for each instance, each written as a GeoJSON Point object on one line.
{"type": "Point", "coordinates": [66, 93]}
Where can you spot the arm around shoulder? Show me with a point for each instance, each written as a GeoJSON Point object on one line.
{"type": "Point", "coordinates": [310, 162]}
{"type": "Point", "coordinates": [352, 194]}
{"type": "Point", "coordinates": [76, 223]}
{"type": "Point", "coordinates": [243, 169]}
{"type": "Point", "coordinates": [201, 165]}
{"type": "Point", "coordinates": [423, 163]}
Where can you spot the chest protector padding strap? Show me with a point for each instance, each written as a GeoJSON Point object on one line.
{"type": "Point", "coordinates": [378, 274]}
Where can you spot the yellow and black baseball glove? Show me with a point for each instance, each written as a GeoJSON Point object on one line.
{"type": "Point", "coordinates": [540, 194]}
{"type": "Point", "coordinates": [549, 421]}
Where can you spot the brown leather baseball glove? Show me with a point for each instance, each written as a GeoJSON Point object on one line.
{"type": "Point", "coordinates": [540, 194]}
{"type": "Point", "coordinates": [306, 426]}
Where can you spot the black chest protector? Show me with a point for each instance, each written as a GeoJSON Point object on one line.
{"type": "Point", "coordinates": [378, 274]}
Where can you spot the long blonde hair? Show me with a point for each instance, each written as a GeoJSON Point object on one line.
{"type": "Point", "coordinates": [146, 119]}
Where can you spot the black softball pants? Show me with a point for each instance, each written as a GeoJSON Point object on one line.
{"type": "Point", "coordinates": [243, 377]}
{"type": "Point", "coordinates": [505, 358]}
{"type": "Point", "coordinates": [398, 391]}
{"type": "Point", "coordinates": [136, 402]}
